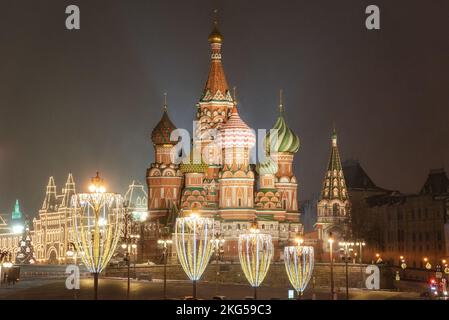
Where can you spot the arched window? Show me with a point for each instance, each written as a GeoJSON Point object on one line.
{"type": "Point", "coordinates": [335, 192]}
{"type": "Point", "coordinates": [335, 209]}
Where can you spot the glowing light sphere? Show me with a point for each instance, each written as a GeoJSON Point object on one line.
{"type": "Point", "coordinates": [299, 262]}
{"type": "Point", "coordinates": [255, 254]}
{"type": "Point", "coordinates": [194, 247]}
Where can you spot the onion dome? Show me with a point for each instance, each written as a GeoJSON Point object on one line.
{"type": "Point", "coordinates": [161, 133]}
{"type": "Point", "coordinates": [267, 167]}
{"type": "Point", "coordinates": [215, 36]}
{"type": "Point", "coordinates": [287, 140]}
{"type": "Point", "coordinates": [236, 133]}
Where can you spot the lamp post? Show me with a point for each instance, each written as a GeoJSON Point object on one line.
{"type": "Point", "coordinates": [331, 242]}
{"type": "Point", "coordinates": [346, 258]}
{"type": "Point", "coordinates": [165, 243]}
{"type": "Point", "coordinates": [97, 219]}
{"type": "Point", "coordinates": [134, 239]}
{"type": "Point", "coordinates": [361, 244]}
{"type": "Point", "coordinates": [403, 265]}
{"type": "Point", "coordinates": [218, 242]}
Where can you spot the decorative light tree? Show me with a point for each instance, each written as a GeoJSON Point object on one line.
{"type": "Point", "coordinates": [255, 254]}
{"type": "Point", "coordinates": [97, 219]}
{"type": "Point", "coordinates": [299, 261]}
{"type": "Point", "coordinates": [25, 255]}
{"type": "Point", "coordinates": [194, 247]}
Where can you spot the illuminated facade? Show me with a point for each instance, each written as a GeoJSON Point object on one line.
{"type": "Point", "coordinates": [216, 178]}
{"type": "Point", "coordinates": [52, 229]}
{"type": "Point", "coordinates": [334, 207]}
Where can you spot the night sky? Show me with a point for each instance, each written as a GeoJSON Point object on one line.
{"type": "Point", "coordinates": [81, 101]}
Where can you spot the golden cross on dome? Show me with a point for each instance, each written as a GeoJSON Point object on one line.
{"type": "Point", "coordinates": [215, 16]}
{"type": "Point", "coordinates": [165, 101]}
{"type": "Point", "coordinates": [281, 102]}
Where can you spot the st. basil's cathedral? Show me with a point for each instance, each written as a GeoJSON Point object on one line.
{"type": "Point", "coordinates": [216, 179]}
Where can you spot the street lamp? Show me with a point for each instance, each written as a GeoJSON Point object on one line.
{"type": "Point", "coordinates": [165, 243]}
{"type": "Point", "coordinates": [193, 245]}
{"type": "Point", "coordinates": [346, 257]}
{"type": "Point", "coordinates": [218, 243]}
{"type": "Point", "coordinates": [361, 244]}
{"type": "Point", "coordinates": [427, 264]}
{"type": "Point", "coordinates": [97, 220]}
{"type": "Point", "coordinates": [331, 242]}
{"type": "Point", "coordinates": [255, 254]}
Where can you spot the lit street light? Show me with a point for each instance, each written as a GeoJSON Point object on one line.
{"type": "Point", "coordinates": [346, 257]}
{"type": "Point", "coordinates": [218, 242]}
{"type": "Point", "coordinates": [165, 243]}
{"type": "Point", "coordinates": [361, 244]}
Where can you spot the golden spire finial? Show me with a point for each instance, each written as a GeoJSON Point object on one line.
{"type": "Point", "coordinates": [234, 93]}
{"type": "Point", "coordinates": [215, 16]}
{"type": "Point", "coordinates": [281, 102]}
{"type": "Point", "coordinates": [215, 36]}
{"type": "Point", "coordinates": [165, 101]}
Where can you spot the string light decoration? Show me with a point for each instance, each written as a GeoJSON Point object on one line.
{"type": "Point", "coordinates": [299, 262]}
{"type": "Point", "coordinates": [97, 219]}
{"type": "Point", "coordinates": [193, 235]}
{"type": "Point", "coordinates": [255, 254]}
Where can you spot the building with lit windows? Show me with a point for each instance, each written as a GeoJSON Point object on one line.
{"type": "Point", "coordinates": [52, 228]}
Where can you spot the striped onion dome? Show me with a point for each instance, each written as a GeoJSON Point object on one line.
{"type": "Point", "coordinates": [236, 133]}
{"type": "Point", "coordinates": [267, 167]}
{"type": "Point", "coordinates": [287, 140]}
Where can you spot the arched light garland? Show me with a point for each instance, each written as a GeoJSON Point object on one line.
{"type": "Point", "coordinates": [97, 219]}
{"type": "Point", "coordinates": [299, 261]}
{"type": "Point", "coordinates": [255, 254]}
{"type": "Point", "coordinates": [194, 247]}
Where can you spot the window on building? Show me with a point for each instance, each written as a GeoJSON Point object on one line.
{"type": "Point", "coordinates": [335, 209]}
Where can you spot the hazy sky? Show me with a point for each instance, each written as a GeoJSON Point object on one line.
{"type": "Point", "coordinates": [81, 101]}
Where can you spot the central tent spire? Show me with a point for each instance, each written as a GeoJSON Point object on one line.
{"type": "Point", "coordinates": [216, 88]}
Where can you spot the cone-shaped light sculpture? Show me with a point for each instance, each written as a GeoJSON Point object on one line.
{"type": "Point", "coordinates": [255, 254]}
{"type": "Point", "coordinates": [97, 218]}
{"type": "Point", "coordinates": [194, 247]}
{"type": "Point", "coordinates": [299, 261]}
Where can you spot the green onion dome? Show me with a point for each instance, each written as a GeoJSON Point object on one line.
{"type": "Point", "coordinates": [267, 167]}
{"type": "Point", "coordinates": [287, 140]}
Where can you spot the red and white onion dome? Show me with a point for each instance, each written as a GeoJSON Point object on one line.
{"type": "Point", "coordinates": [236, 133]}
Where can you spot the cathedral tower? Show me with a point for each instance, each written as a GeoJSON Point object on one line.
{"type": "Point", "coordinates": [164, 179]}
{"type": "Point", "coordinates": [282, 144]}
{"type": "Point", "coordinates": [236, 177]}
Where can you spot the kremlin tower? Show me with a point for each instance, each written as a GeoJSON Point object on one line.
{"type": "Point", "coordinates": [217, 179]}
{"type": "Point", "coordinates": [333, 207]}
